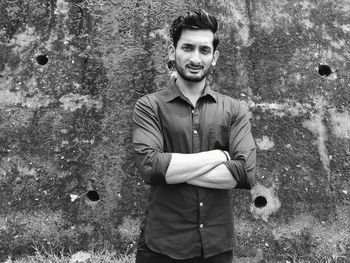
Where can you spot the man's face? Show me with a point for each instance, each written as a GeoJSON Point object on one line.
{"type": "Point", "coordinates": [194, 54]}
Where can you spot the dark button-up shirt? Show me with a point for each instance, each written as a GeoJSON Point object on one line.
{"type": "Point", "coordinates": [184, 220]}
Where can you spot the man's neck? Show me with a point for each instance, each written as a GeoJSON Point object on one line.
{"type": "Point", "coordinates": [191, 89]}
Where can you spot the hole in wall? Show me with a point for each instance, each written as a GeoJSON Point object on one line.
{"type": "Point", "coordinates": [260, 202]}
{"type": "Point", "coordinates": [42, 59]}
{"type": "Point", "coordinates": [93, 196]}
{"type": "Point", "coordinates": [324, 70]}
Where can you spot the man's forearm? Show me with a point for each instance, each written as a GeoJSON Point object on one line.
{"type": "Point", "coordinates": [219, 177]}
{"type": "Point", "coordinates": [185, 167]}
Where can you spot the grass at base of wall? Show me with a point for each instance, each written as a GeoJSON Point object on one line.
{"type": "Point", "coordinates": [112, 257]}
{"type": "Point", "coordinates": [101, 257]}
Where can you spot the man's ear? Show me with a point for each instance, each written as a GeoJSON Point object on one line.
{"type": "Point", "coordinates": [215, 57]}
{"type": "Point", "coordinates": [171, 52]}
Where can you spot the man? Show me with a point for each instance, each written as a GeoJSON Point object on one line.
{"type": "Point", "coordinates": [193, 146]}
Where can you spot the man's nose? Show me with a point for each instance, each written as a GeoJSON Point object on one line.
{"type": "Point", "coordinates": [195, 58]}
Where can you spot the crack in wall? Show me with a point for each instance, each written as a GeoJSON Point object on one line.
{"type": "Point", "coordinates": [317, 126]}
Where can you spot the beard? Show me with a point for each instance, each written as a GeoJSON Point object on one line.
{"type": "Point", "coordinates": [192, 77]}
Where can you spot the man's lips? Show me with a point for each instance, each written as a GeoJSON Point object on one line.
{"type": "Point", "coordinates": [194, 68]}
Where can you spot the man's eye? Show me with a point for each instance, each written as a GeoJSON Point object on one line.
{"type": "Point", "coordinates": [205, 51]}
{"type": "Point", "coordinates": [186, 48]}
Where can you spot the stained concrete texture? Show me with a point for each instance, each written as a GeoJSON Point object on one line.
{"type": "Point", "coordinates": [71, 71]}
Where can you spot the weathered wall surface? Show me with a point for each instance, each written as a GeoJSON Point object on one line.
{"type": "Point", "coordinates": [70, 72]}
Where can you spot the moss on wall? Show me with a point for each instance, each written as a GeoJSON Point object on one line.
{"type": "Point", "coordinates": [71, 71]}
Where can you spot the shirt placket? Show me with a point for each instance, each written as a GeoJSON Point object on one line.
{"type": "Point", "coordinates": [195, 130]}
{"type": "Point", "coordinates": [196, 147]}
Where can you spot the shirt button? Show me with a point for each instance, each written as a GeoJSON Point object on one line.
{"type": "Point", "coordinates": [195, 131]}
{"type": "Point", "coordinates": [201, 226]}
{"type": "Point", "coordinates": [200, 204]}
{"type": "Point", "coordinates": [192, 111]}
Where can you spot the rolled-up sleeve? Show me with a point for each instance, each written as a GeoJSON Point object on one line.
{"type": "Point", "coordinates": [242, 149]}
{"type": "Point", "coordinates": [150, 159]}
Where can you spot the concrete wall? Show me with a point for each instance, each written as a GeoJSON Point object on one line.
{"type": "Point", "coordinates": [70, 72]}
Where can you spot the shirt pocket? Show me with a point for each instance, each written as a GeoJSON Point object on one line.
{"type": "Point", "coordinates": [219, 137]}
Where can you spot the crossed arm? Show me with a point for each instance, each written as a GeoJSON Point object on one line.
{"type": "Point", "coordinates": [206, 169]}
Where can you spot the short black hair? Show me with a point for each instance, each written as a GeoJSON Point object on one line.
{"type": "Point", "coordinates": [194, 20]}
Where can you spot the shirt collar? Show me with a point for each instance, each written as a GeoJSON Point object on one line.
{"type": "Point", "coordinates": [174, 92]}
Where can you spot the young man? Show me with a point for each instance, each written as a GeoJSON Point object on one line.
{"type": "Point", "coordinates": [193, 146]}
